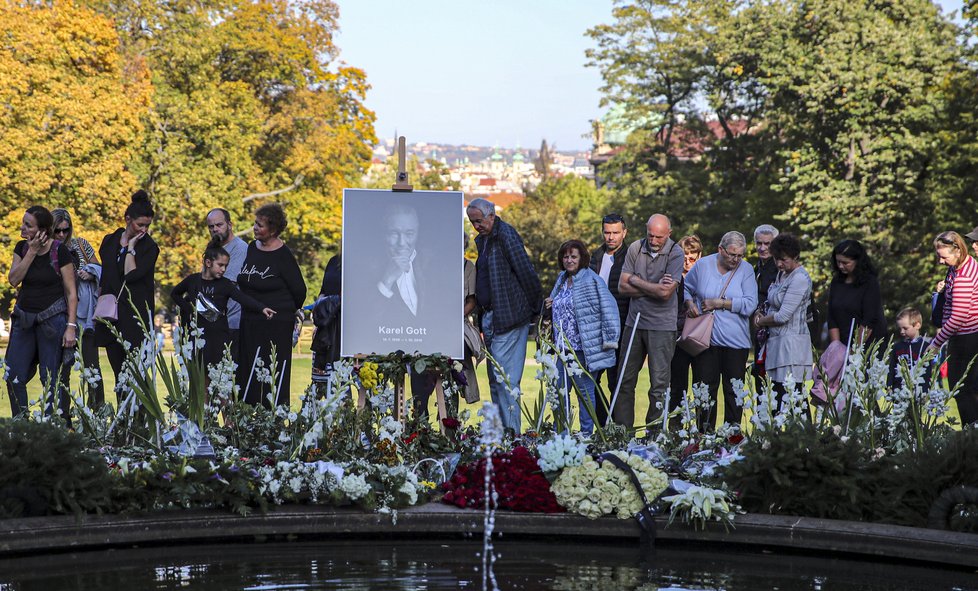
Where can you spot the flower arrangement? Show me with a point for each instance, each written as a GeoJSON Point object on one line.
{"type": "Point", "coordinates": [698, 505]}
{"type": "Point", "coordinates": [520, 485]}
{"type": "Point", "coordinates": [594, 489]}
{"type": "Point", "coordinates": [561, 452]}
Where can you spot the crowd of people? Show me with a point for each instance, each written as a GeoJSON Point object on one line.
{"type": "Point", "coordinates": [627, 304]}
{"type": "Point", "coordinates": [68, 295]}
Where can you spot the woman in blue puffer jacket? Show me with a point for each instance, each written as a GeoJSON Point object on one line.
{"type": "Point", "coordinates": [585, 321]}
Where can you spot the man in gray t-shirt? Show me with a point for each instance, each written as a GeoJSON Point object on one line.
{"type": "Point", "coordinates": [650, 277]}
{"type": "Point", "coordinates": [219, 225]}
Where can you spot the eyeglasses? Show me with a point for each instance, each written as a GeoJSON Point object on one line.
{"type": "Point", "coordinates": [732, 255]}
{"type": "Point", "coordinates": [612, 218]}
{"type": "Point", "coordinates": [64, 230]}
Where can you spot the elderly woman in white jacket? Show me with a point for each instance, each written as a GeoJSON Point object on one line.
{"type": "Point", "coordinates": [586, 320]}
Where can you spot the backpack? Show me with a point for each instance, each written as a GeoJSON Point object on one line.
{"type": "Point", "coordinates": [54, 256]}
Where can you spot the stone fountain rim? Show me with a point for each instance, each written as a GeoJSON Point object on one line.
{"type": "Point", "coordinates": [67, 533]}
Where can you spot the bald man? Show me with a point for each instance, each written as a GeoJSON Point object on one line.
{"type": "Point", "coordinates": [650, 277]}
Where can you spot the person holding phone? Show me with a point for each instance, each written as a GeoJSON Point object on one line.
{"type": "Point", "coordinates": [43, 323]}
{"type": "Point", "coordinates": [128, 271]}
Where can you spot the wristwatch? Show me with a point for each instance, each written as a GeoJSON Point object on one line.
{"type": "Point", "coordinates": [132, 252]}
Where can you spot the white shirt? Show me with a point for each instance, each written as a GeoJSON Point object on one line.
{"type": "Point", "coordinates": [406, 288]}
{"type": "Point", "coordinates": [607, 261]}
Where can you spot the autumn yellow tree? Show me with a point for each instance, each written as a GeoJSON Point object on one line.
{"type": "Point", "coordinates": [249, 106]}
{"type": "Point", "coordinates": [71, 116]}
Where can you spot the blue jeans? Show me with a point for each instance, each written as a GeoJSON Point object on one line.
{"type": "Point", "coordinates": [38, 345]}
{"type": "Point", "coordinates": [585, 387]}
{"type": "Point", "coordinates": [509, 351]}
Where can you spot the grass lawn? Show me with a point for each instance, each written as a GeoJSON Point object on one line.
{"type": "Point", "coordinates": [301, 371]}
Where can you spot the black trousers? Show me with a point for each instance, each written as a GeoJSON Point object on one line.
{"type": "Point", "coordinates": [679, 377]}
{"type": "Point", "coordinates": [718, 364]}
{"type": "Point", "coordinates": [960, 349]}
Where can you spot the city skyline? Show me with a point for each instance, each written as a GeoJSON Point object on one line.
{"type": "Point", "coordinates": [506, 73]}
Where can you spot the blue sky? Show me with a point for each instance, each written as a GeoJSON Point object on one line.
{"type": "Point", "coordinates": [481, 72]}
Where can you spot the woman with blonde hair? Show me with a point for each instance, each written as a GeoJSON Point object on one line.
{"type": "Point", "coordinates": [960, 328]}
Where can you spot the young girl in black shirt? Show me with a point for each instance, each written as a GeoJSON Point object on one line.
{"type": "Point", "coordinates": [203, 297]}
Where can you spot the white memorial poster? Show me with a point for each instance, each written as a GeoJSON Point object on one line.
{"type": "Point", "coordinates": [402, 272]}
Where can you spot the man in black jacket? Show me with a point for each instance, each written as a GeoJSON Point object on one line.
{"type": "Point", "coordinates": [606, 261]}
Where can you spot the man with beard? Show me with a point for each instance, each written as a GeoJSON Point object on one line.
{"type": "Point", "coordinates": [219, 225]}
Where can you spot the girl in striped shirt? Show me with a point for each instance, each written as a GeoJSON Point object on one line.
{"type": "Point", "coordinates": [960, 329]}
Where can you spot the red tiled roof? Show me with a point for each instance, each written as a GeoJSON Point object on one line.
{"type": "Point", "coordinates": [501, 200]}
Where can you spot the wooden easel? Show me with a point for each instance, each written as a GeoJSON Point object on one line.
{"type": "Point", "coordinates": [403, 186]}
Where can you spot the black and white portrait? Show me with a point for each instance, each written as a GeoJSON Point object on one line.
{"type": "Point", "coordinates": [402, 272]}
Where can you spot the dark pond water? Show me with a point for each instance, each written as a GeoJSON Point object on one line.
{"type": "Point", "coordinates": [427, 565]}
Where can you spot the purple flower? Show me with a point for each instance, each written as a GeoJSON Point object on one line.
{"type": "Point", "coordinates": [167, 476]}
{"type": "Point", "coordinates": [234, 468]}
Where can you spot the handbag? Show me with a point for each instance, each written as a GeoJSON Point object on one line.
{"type": "Point", "coordinates": [107, 305]}
{"type": "Point", "coordinates": [937, 302]}
{"type": "Point", "coordinates": [697, 331]}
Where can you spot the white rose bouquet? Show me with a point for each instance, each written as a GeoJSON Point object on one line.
{"type": "Point", "coordinates": [563, 451]}
{"type": "Point", "coordinates": [594, 489]}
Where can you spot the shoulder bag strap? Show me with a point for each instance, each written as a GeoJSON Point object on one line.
{"type": "Point", "coordinates": [727, 284]}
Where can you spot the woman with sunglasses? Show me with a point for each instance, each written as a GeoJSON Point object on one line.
{"type": "Point", "coordinates": [43, 322]}
{"type": "Point", "coordinates": [88, 271]}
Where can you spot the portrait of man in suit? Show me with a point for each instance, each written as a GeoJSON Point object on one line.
{"type": "Point", "coordinates": [400, 283]}
{"type": "Point", "coordinates": [402, 286]}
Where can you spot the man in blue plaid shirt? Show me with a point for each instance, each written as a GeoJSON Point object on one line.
{"type": "Point", "coordinates": [508, 291]}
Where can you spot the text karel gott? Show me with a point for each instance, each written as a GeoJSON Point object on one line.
{"type": "Point", "coordinates": [418, 330]}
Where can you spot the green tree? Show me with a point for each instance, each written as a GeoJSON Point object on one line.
{"type": "Point", "coordinates": [559, 209]}
{"type": "Point", "coordinates": [831, 118]}
{"type": "Point", "coordinates": [249, 105]}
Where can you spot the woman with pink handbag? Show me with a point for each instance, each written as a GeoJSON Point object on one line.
{"type": "Point", "coordinates": [723, 286]}
{"type": "Point", "coordinates": [127, 296]}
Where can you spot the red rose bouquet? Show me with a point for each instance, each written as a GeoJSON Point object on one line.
{"type": "Point", "coordinates": [520, 484]}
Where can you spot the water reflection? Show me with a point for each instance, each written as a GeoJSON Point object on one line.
{"type": "Point", "coordinates": [413, 565]}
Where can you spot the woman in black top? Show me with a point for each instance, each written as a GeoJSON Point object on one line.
{"type": "Point", "coordinates": [271, 275]}
{"type": "Point", "coordinates": [211, 286]}
{"type": "Point", "coordinates": [129, 260]}
{"type": "Point", "coordinates": [43, 324]}
{"type": "Point", "coordinates": [855, 295]}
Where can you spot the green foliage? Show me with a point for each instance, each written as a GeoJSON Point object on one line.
{"type": "Point", "coordinates": [559, 209]}
{"type": "Point", "coordinates": [203, 103]}
{"type": "Point", "coordinates": [906, 485]}
{"type": "Point", "coordinates": [45, 469]}
{"type": "Point", "coordinates": [802, 471]}
{"type": "Point", "coordinates": [169, 482]}
{"type": "Point", "coordinates": [831, 119]}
